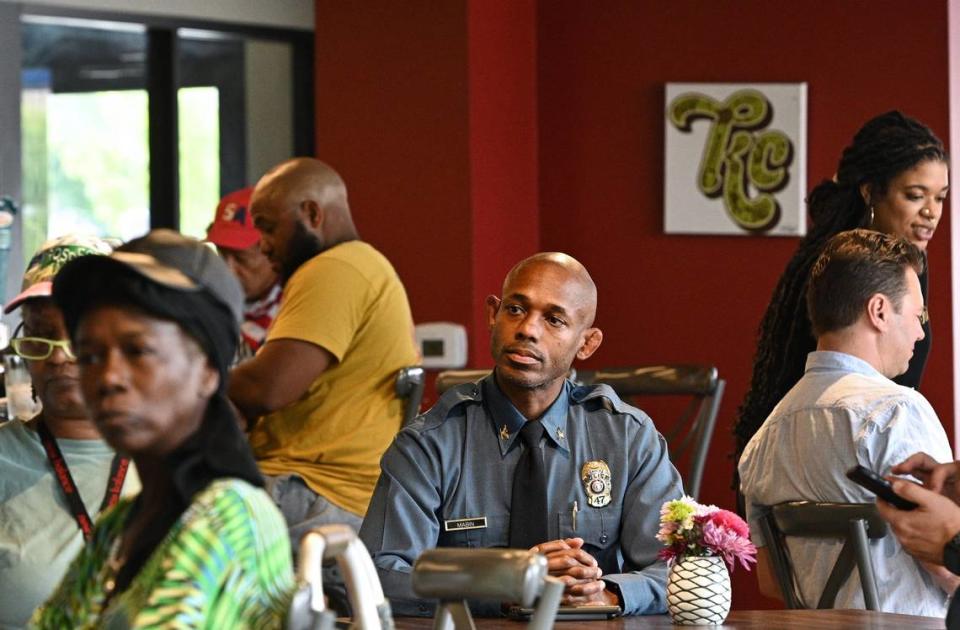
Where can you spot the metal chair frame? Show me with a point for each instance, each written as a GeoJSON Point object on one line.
{"type": "Point", "coordinates": [409, 388]}
{"type": "Point", "coordinates": [693, 431]}
{"type": "Point", "coordinates": [855, 523]}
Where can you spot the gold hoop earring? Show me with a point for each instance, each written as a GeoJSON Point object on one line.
{"type": "Point", "coordinates": [870, 224]}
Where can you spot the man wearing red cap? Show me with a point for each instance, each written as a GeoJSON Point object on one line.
{"type": "Point", "coordinates": [238, 242]}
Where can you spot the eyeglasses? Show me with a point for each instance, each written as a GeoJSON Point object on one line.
{"type": "Point", "coordinates": [924, 316]}
{"type": "Point", "coordinates": [38, 348]}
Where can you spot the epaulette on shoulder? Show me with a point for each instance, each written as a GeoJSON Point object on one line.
{"type": "Point", "coordinates": [449, 404]}
{"type": "Point", "coordinates": [602, 396]}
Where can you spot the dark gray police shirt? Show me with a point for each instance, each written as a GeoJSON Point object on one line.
{"type": "Point", "coordinates": [447, 478]}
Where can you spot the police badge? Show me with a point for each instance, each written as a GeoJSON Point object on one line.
{"type": "Point", "coordinates": [596, 482]}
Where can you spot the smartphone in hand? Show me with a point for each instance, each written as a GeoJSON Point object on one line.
{"type": "Point", "coordinates": [879, 486]}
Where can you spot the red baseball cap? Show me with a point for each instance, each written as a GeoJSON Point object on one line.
{"type": "Point", "coordinates": [232, 226]}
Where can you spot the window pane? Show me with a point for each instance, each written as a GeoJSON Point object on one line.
{"type": "Point", "coordinates": [236, 117]}
{"type": "Point", "coordinates": [199, 157]}
{"type": "Point", "coordinates": [84, 120]}
{"type": "Point", "coordinates": [97, 163]}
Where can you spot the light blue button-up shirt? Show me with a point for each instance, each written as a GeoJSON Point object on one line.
{"type": "Point", "coordinates": [842, 413]}
{"type": "Point", "coordinates": [454, 467]}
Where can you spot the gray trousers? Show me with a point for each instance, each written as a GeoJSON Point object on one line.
{"type": "Point", "coordinates": [304, 509]}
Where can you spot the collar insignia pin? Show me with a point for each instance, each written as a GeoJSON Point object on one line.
{"type": "Point", "coordinates": [596, 482]}
{"type": "Point", "coordinates": [560, 434]}
{"type": "Point", "coordinates": [504, 434]}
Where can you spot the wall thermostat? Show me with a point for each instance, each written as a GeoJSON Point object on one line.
{"type": "Point", "coordinates": [443, 345]}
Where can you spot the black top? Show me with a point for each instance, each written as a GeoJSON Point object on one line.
{"type": "Point", "coordinates": [914, 373]}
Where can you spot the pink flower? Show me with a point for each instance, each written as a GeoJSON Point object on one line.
{"type": "Point", "coordinates": [689, 529]}
{"type": "Point", "coordinates": [729, 520]}
{"type": "Point", "coordinates": [730, 545]}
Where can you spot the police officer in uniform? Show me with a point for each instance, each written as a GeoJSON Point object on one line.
{"type": "Point", "coordinates": [525, 459]}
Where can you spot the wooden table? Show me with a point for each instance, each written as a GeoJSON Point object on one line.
{"type": "Point", "coordinates": [765, 619]}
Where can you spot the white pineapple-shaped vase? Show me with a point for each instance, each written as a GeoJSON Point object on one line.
{"type": "Point", "coordinates": [698, 591]}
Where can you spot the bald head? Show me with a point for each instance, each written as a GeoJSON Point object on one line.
{"type": "Point", "coordinates": [300, 208]}
{"type": "Point", "coordinates": [580, 287]}
{"type": "Point", "coordinates": [539, 326]}
{"type": "Point", "coordinates": [300, 179]}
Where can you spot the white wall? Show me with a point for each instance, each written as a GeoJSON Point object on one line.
{"type": "Point", "coordinates": [292, 14]}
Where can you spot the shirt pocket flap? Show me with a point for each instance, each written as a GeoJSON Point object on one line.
{"type": "Point", "coordinates": [599, 527]}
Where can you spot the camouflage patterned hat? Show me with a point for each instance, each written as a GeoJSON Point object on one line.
{"type": "Point", "coordinates": [50, 258]}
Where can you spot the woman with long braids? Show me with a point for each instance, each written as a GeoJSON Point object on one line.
{"type": "Point", "coordinates": [892, 178]}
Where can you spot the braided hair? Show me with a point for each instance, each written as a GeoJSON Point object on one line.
{"type": "Point", "coordinates": [883, 148]}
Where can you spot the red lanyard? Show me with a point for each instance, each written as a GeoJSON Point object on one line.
{"type": "Point", "coordinates": [118, 472]}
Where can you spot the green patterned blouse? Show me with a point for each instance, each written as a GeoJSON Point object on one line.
{"type": "Point", "coordinates": [224, 564]}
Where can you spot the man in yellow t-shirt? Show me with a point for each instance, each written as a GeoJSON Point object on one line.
{"type": "Point", "coordinates": [320, 391]}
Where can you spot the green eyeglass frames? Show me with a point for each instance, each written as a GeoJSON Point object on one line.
{"type": "Point", "coordinates": [38, 348]}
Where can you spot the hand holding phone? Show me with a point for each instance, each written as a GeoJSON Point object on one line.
{"type": "Point", "coordinates": [937, 477]}
{"type": "Point", "coordinates": [879, 486]}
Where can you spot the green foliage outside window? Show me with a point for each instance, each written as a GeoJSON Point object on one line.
{"type": "Point", "coordinates": [86, 163]}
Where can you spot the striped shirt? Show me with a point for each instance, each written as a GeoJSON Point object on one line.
{"type": "Point", "coordinates": [224, 564]}
{"type": "Point", "coordinates": [257, 317]}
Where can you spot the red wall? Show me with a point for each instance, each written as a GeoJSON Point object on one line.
{"type": "Point", "coordinates": [429, 110]}
{"type": "Point", "coordinates": [503, 148]}
{"type": "Point", "coordinates": [399, 114]}
{"type": "Point", "coordinates": [391, 99]}
{"type": "Point", "coordinates": [678, 298]}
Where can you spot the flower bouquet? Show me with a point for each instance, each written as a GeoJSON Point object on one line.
{"type": "Point", "coordinates": [702, 541]}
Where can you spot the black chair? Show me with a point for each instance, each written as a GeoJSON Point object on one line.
{"type": "Point", "coordinates": [854, 523]}
{"type": "Point", "coordinates": [409, 387]}
{"type": "Point", "coordinates": [691, 433]}
{"type": "Point", "coordinates": [451, 378]}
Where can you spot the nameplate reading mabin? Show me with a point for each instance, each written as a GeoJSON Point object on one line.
{"type": "Point", "coordinates": [460, 524]}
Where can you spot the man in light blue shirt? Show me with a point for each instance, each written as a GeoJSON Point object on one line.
{"type": "Point", "coordinates": [867, 311]}
{"type": "Point", "coordinates": [447, 479]}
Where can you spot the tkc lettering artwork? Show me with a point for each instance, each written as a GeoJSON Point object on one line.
{"type": "Point", "coordinates": [738, 151]}
{"type": "Point", "coordinates": [728, 151]}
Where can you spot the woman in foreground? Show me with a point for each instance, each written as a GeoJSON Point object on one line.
{"type": "Point", "coordinates": [154, 328]}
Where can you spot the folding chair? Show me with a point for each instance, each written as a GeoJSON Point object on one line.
{"type": "Point", "coordinates": [451, 378]}
{"type": "Point", "coordinates": [854, 523]}
{"type": "Point", "coordinates": [692, 431]}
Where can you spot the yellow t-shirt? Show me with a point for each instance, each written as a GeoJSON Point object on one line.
{"type": "Point", "coordinates": [348, 300]}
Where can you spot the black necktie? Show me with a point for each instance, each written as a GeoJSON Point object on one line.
{"type": "Point", "coordinates": [528, 504]}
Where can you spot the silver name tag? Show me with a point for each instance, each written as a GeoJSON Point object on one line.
{"type": "Point", "coordinates": [460, 524]}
